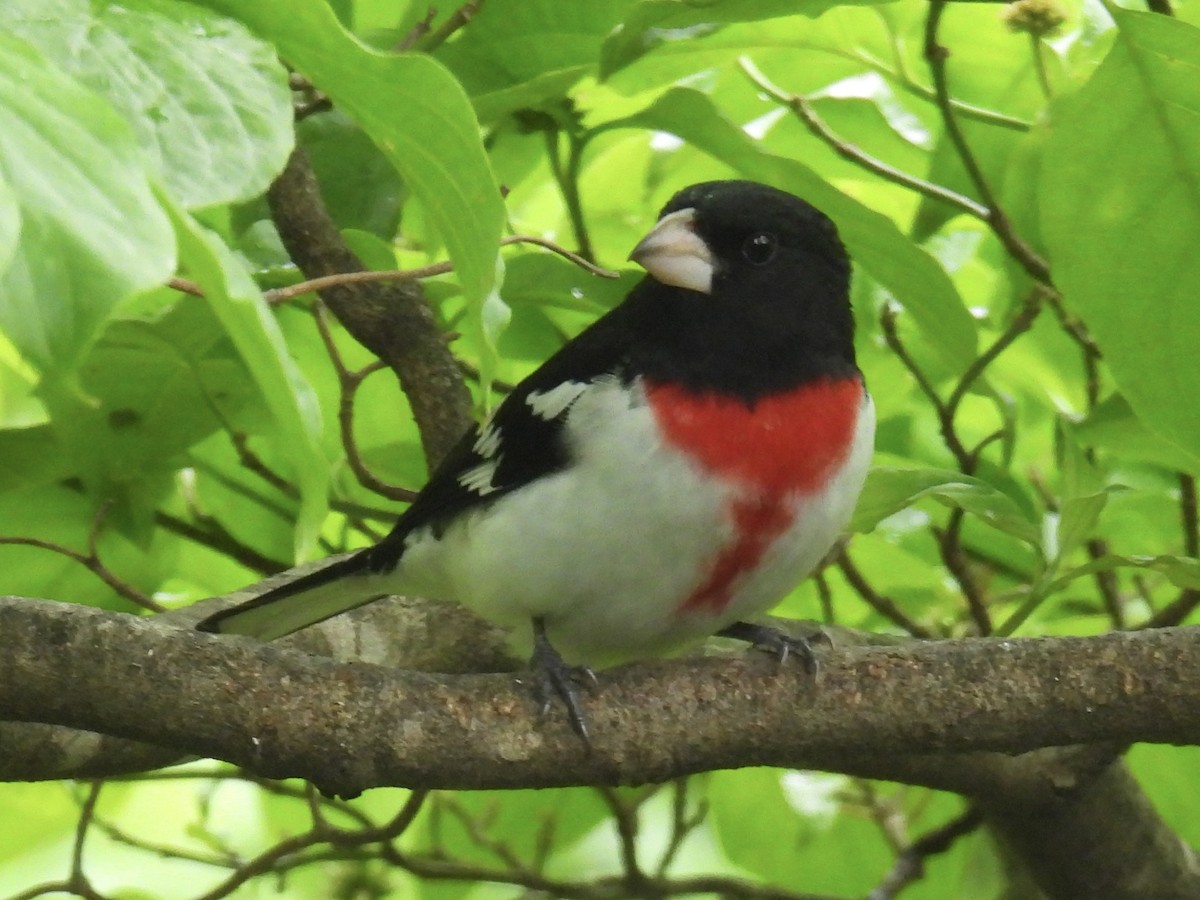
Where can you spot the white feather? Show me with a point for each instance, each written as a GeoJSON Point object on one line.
{"type": "Point", "coordinates": [553, 403]}
{"type": "Point", "coordinates": [479, 478]}
{"type": "Point", "coordinates": [488, 442]}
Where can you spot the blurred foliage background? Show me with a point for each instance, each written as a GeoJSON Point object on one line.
{"type": "Point", "coordinates": [1019, 186]}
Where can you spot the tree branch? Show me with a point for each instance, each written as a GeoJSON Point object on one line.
{"type": "Point", "coordinates": [936, 55]}
{"type": "Point", "coordinates": [896, 713]}
{"type": "Point", "coordinates": [392, 320]}
{"type": "Point", "coordinates": [348, 727]}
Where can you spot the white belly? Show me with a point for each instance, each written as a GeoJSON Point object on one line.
{"type": "Point", "coordinates": [607, 554]}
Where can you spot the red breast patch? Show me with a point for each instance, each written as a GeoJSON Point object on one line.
{"type": "Point", "coordinates": [784, 445]}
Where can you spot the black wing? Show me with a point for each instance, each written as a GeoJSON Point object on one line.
{"type": "Point", "coordinates": [517, 445]}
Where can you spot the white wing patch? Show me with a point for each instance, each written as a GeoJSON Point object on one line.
{"type": "Point", "coordinates": [488, 441]}
{"type": "Point", "coordinates": [479, 478]}
{"type": "Point", "coordinates": [553, 403]}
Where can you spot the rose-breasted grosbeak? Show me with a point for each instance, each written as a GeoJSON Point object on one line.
{"type": "Point", "coordinates": [677, 467]}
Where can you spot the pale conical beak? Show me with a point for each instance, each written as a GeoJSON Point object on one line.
{"type": "Point", "coordinates": [674, 254]}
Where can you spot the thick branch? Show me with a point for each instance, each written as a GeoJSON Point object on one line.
{"type": "Point", "coordinates": [391, 320]}
{"type": "Point", "coordinates": [1058, 841]}
{"type": "Point", "coordinates": [350, 726]}
{"type": "Point", "coordinates": [265, 705]}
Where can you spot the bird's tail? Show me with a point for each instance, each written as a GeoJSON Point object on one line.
{"type": "Point", "coordinates": [307, 600]}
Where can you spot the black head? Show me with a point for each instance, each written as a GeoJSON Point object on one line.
{"type": "Point", "coordinates": [752, 230]}
{"type": "Point", "coordinates": [755, 279]}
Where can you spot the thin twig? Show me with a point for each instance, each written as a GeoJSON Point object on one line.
{"type": "Point", "coordinates": [567, 178]}
{"type": "Point", "coordinates": [349, 382]}
{"type": "Point", "coordinates": [936, 55]}
{"type": "Point", "coordinates": [87, 814]}
{"type": "Point", "coordinates": [910, 864]}
{"type": "Point", "coordinates": [91, 561]}
{"type": "Point", "coordinates": [887, 322]}
{"type": "Point", "coordinates": [585, 264]}
{"type": "Point", "coordinates": [184, 286]}
{"type": "Point", "coordinates": [277, 296]}
{"type": "Point", "coordinates": [682, 824]}
{"type": "Point", "coordinates": [1188, 515]}
{"type": "Point", "coordinates": [625, 818]}
{"type": "Point", "coordinates": [825, 596]}
{"type": "Point", "coordinates": [1088, 348]}
{"type": "Point", "coordinates": [472, 372]}
{"type": "Point", "coordinates": [214, 536]}
{"type": "Point", "coordinates": [458, 19]}
{"type": "Point", "coordinates": [255, 464]}
{"type": "Point", "coordinates": [883, 605]}
{"type": "Point", "coordinates": [1106, 583]}
{"type": "Point", "coordinates": [242, 489]}
{"type": "Point", "coordinates": [1039, 65]}
{"type": "Point", "coordinates": [1176, 612]}
{"type": "Point", "coordinates": [900, 75]}
{"type": "Point", "coordinates": [418, 31]}
{"type": "Point", "coordinates": [308, 100]}
{"type": "Point", "coordinates": [476, 829]}
{"type": "Point", "coordinates": [887, 814]}
{"type": "Point", "coordinates": [1188, 601]}
{"type": "Point", "coordinates": [949, 542]}
{"type": "Point", "coordinates": [1021, 323]}
{"type": "Point", "coordinates": [817, 127]}
{"type": "Point", "coordinates": [252, 461]}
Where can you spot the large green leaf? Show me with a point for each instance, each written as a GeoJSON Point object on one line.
{"type": "Point", "coordinates": [238, 304]}
{"type": "Point", "coordinates": [1120, 189]}
{"type": "Point", "coordinates": [873, 240]}
{"type": "Point", "coordinates": [523, 53]}
{"type": "Point", "coordinates": [890, 490]}
{"type": "Point", "coordinates": [651, 23]}
{"type": "Point", "coordinates": [91, 229]}
{"type": "Point", "coordinates": [414, 110]}
{"type": "Point", "coordinates": [1113, 425]}
{"type": "Point", "coordinates": [10, 223]}
{"type": "Point", "coordinates": [209, 102]}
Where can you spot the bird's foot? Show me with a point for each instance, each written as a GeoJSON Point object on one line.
{"type": "Point", "coordinates": [779, 644]}
{"type": "Point", "coordinates": [553, 677]}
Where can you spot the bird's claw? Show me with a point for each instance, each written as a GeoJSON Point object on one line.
{"type": "Point", "coordinates": [780, 644]}
{"type": "Point", "coordinates": [555, 678]}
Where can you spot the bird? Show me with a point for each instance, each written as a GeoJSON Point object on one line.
{"type": "Point", "coordinates": [668, 474]}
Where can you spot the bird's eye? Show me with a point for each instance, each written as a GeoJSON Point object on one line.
{"type": "Point", "coordinates": [760, 248]}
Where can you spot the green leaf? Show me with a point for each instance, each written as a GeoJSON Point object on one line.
{"type": "Point", "coordinates": [1084, 495]}
{"type": "Point", "coordinates": [1168, 775]}
{"type": "Point", "coordinates": [1120, 188]}
{"type": "Point", "coordinates": [1113, 425]}
{"type": "Point", "coordinates": [91, 229]}
{"type": "Point", "coordinates": [10, 223]}
{"type": "Point", "coordinates": [209, 103]}
{"type": "Point", "coordinates": [418, 115]}
{"type": "Point", "coordinates": [32, 457]}
{"type": "Point", "coordinates": [360, 186]}
{"type": "Point", "coordinates": [151, 389]}
{"type": "Point", "coordinates": [525, 54]}
{"type": "Point", "coordinates": [791, 828]}
{"type": "Point", "coordinates": [1181, 571]}
{"type": "Point", "coordinates": [889, 490]}
{"type": "Point", "coordinates": [651, 23]}
{"type": "Point", "coordinates": [61, 515]}
{"type": "Point", "coordinates": [873, 240]}
{"type": "Point", "coordinates": [992, 148]}
{"type": "Point", "coordinates": [492, 105]}
{"type": "Point", "coordinates": [236, 301]}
